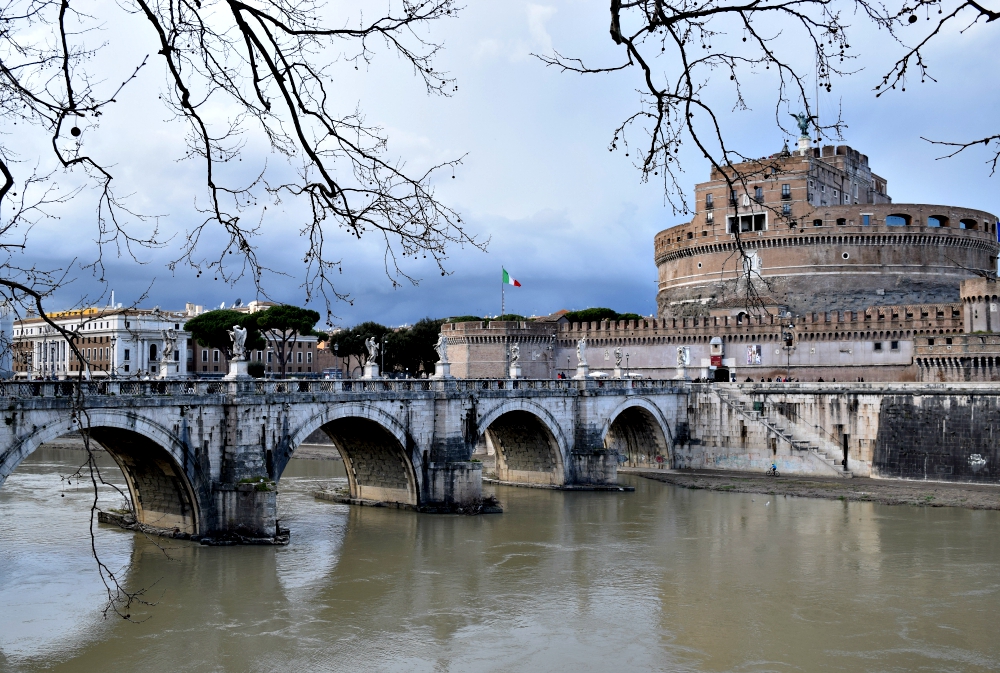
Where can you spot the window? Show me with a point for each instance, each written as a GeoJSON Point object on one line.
{"type": "Point", "coordinates": [215, 355]}
{"type": "Point", "coordinates": [866, 220]}
{"type": "Point", "coordinates": [299, 358]}
{"type": "Point", "coordinates": [309, 357]}
{"type": "Point", "coordinates": [709, 202]}
{"type": "Point", "coordinates": [127, 324]}
{"type": "Point", "coordinates": [947, 341]}
{"type": "Point", "coordinates": [204, 356]}
{"type": "Point", "coordinates": [177, 356]}
{"type": "Point", "coordinates": [930, 342]}
{"type": "Point", "coordinates": [817, 223]}
{"type": "Point", "coordinates": [128, 355]}
{"type": "Point", "coordinates": [878, 346]}
{"type": "Point", "coordinates": [786, 209]}
{"type": "Point", "coordinates": [710, 218]}
{"type": "Point", "coordinates": [260, 356]}
{"type": "Point", "coordinates": [758, 194]}
{"type": "Point", "coordinates": [753, 222]}
{"type": "Point", "coordinates": [126, 366]}
{"type": "Point", "coordinates": [690, 235]}
{"type": "Point", "coordinates": [786, 191]}
{"type": "Point", "coordinates": [894, 345]}
{"type": "Point", "coordinates": [204, 368]}
{"type": "Point", "coordinates": [897, 220]}
{"type": "Point", "coordinates": [841, 222]}
{"type": "Point", "coordinates": [270, 357]}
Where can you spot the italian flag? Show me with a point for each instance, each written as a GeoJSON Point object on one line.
{"type": "Point", "coordinates": [508, 280]}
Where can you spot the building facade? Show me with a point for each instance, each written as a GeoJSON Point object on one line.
{"type": "Point", "coordinates": [114, 342]}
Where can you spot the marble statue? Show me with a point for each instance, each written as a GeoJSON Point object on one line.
{"type": "Point", "coordinates": [515, 353]}
{"type": "Point", "coordinates": [581, 351]}
{"type": "Point", "coordinates": [169, 344]}
{"type": "Point", "coordinates": [683, 356]}
{"type": "Point", "coordinates": [372, 345]}
{"type": "Point", "coordinates": [442, 348]}
{"type": "Point", "coordinates": [239, 336]}
{"type": "Point", "coordinates": [618, 357]}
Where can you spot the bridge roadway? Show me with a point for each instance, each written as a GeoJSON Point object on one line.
{"type": "Point", "coordinates": [204, 458]}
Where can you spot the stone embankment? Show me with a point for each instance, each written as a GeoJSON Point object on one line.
{"type": "Point", "coordinates": [882, 491]}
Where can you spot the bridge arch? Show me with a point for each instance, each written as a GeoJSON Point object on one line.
{"type": "Point", "coordinates": [637, 430]}
{"type": "Point", "coordinates": [162, 478]}
{"type": "Point", "coordinates": [376, 448]}
{"type": "Point", "coordinates": [529, 442]}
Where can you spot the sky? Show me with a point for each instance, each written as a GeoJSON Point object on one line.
{"type": "Point", "coordinates": [571, 221]}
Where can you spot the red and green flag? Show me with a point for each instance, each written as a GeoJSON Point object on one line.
{"type": "Point", "coordinates": [508, 280]}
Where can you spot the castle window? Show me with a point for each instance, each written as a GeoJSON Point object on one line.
{"type": "Point", "coordinates": [690, 235]}
{"type": "Point", "coordinates": [786, 191]}
{"type": "Point", "coordinates": [930, 342]}
{"type": "Point", "coordinates": [866, 220]}
{"type": "Point", "coordinates": [894, 345]}
{"type": "Point", "coordinates": [817, 223]}
{"type": "Point", "coordinates": [899, 220]}
{"type": "Point", "coordinates": [967, 224]}
{"type": "Point", "coordinates": [947, 341]}
{"type": "Point", "coordinates": [841, 221]}
{"type": "Point", "coordinates": [877, 346]}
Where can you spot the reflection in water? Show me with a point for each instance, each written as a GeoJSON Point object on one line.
{"type": "Point", "coordinates": [660, 579]}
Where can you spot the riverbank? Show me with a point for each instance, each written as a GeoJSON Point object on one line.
{"type": "Point", "coordinates": [883, 491]}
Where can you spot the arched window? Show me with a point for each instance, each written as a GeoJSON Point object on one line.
{"type": "Point", "coordinates": [152, 352]}
{"type": "Point", "coordinates": [968, 224]}
{"type": "Point", "coordinates": [897, 220]}
{"type": "Point", "coordinates": [937, 221]}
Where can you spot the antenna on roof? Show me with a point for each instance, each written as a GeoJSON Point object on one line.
{"type": "Point", "coordinates": [237, 303]}
{"type": "Point", "coordinates": [222, 305]}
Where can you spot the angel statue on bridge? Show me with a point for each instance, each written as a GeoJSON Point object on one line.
{"type": "Point", "coordinates": [442, 348]}
{"type": "Point", "coordinates": [581, 351]}
{"type": "Point", "coordinates": [618, 357]}
{"type": "Point", "coordinates": [239, 336]}
{"type": "Point", "coordinates": [372, 345]}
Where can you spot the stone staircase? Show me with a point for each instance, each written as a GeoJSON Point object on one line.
{"type": "Point", "coordinates": [823, 451]}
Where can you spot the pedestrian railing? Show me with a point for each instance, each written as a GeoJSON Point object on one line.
{"type": "Point", "coordinates": [201, 387]}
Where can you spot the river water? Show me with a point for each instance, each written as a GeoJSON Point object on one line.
{"type": "Point", "coordinates": [660, 579]}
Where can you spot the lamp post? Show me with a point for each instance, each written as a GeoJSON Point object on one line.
{"type": "Point", "coordinates": [789, 339]}
{"type": "Point", "coordinates": [336, 357]}
{"type": "Point", "coordinates": [626, 364]}
{"type": "Point", "coordinates": [382, 355]}
{"type": "Point", "coordinates": [114, 357]}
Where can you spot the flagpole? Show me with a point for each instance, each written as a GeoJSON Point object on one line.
{"type": "Point", "coordinates": [501, 293]}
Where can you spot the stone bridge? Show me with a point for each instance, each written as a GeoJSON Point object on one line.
{"type": "Point", "coordinates": [205, 458]}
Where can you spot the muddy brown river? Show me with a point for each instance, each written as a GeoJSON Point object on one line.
{"type": "Point", "coordinates": [660, 579]}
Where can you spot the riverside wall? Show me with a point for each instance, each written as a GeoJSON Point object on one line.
{"type": "Point", "coordinates": [945, 432]}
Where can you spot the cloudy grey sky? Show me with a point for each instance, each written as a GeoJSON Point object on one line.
{"type": "Point", "coordinates": [567, 218]}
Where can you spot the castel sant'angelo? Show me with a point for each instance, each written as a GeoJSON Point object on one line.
{"type": "Point", "coordinates": [834, 282]}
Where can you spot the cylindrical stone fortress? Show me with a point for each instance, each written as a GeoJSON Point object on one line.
{"type": "Point", "coordinates": [818, 242]}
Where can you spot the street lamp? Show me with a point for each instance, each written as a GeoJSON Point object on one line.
{"type": "Point", "coordinates": [114, 357]}
{"type": "Point", "coordinates": [789, 337]}
{"type": "Point", "coordinates": [382, 355]}
{"type": "Point", "coordinates": [626, 363]}
{"type": "Point", "coordinates": [336, 356]}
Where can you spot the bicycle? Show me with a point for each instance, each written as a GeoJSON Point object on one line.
{"type": "Point", "coordinates": [772, 471]}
